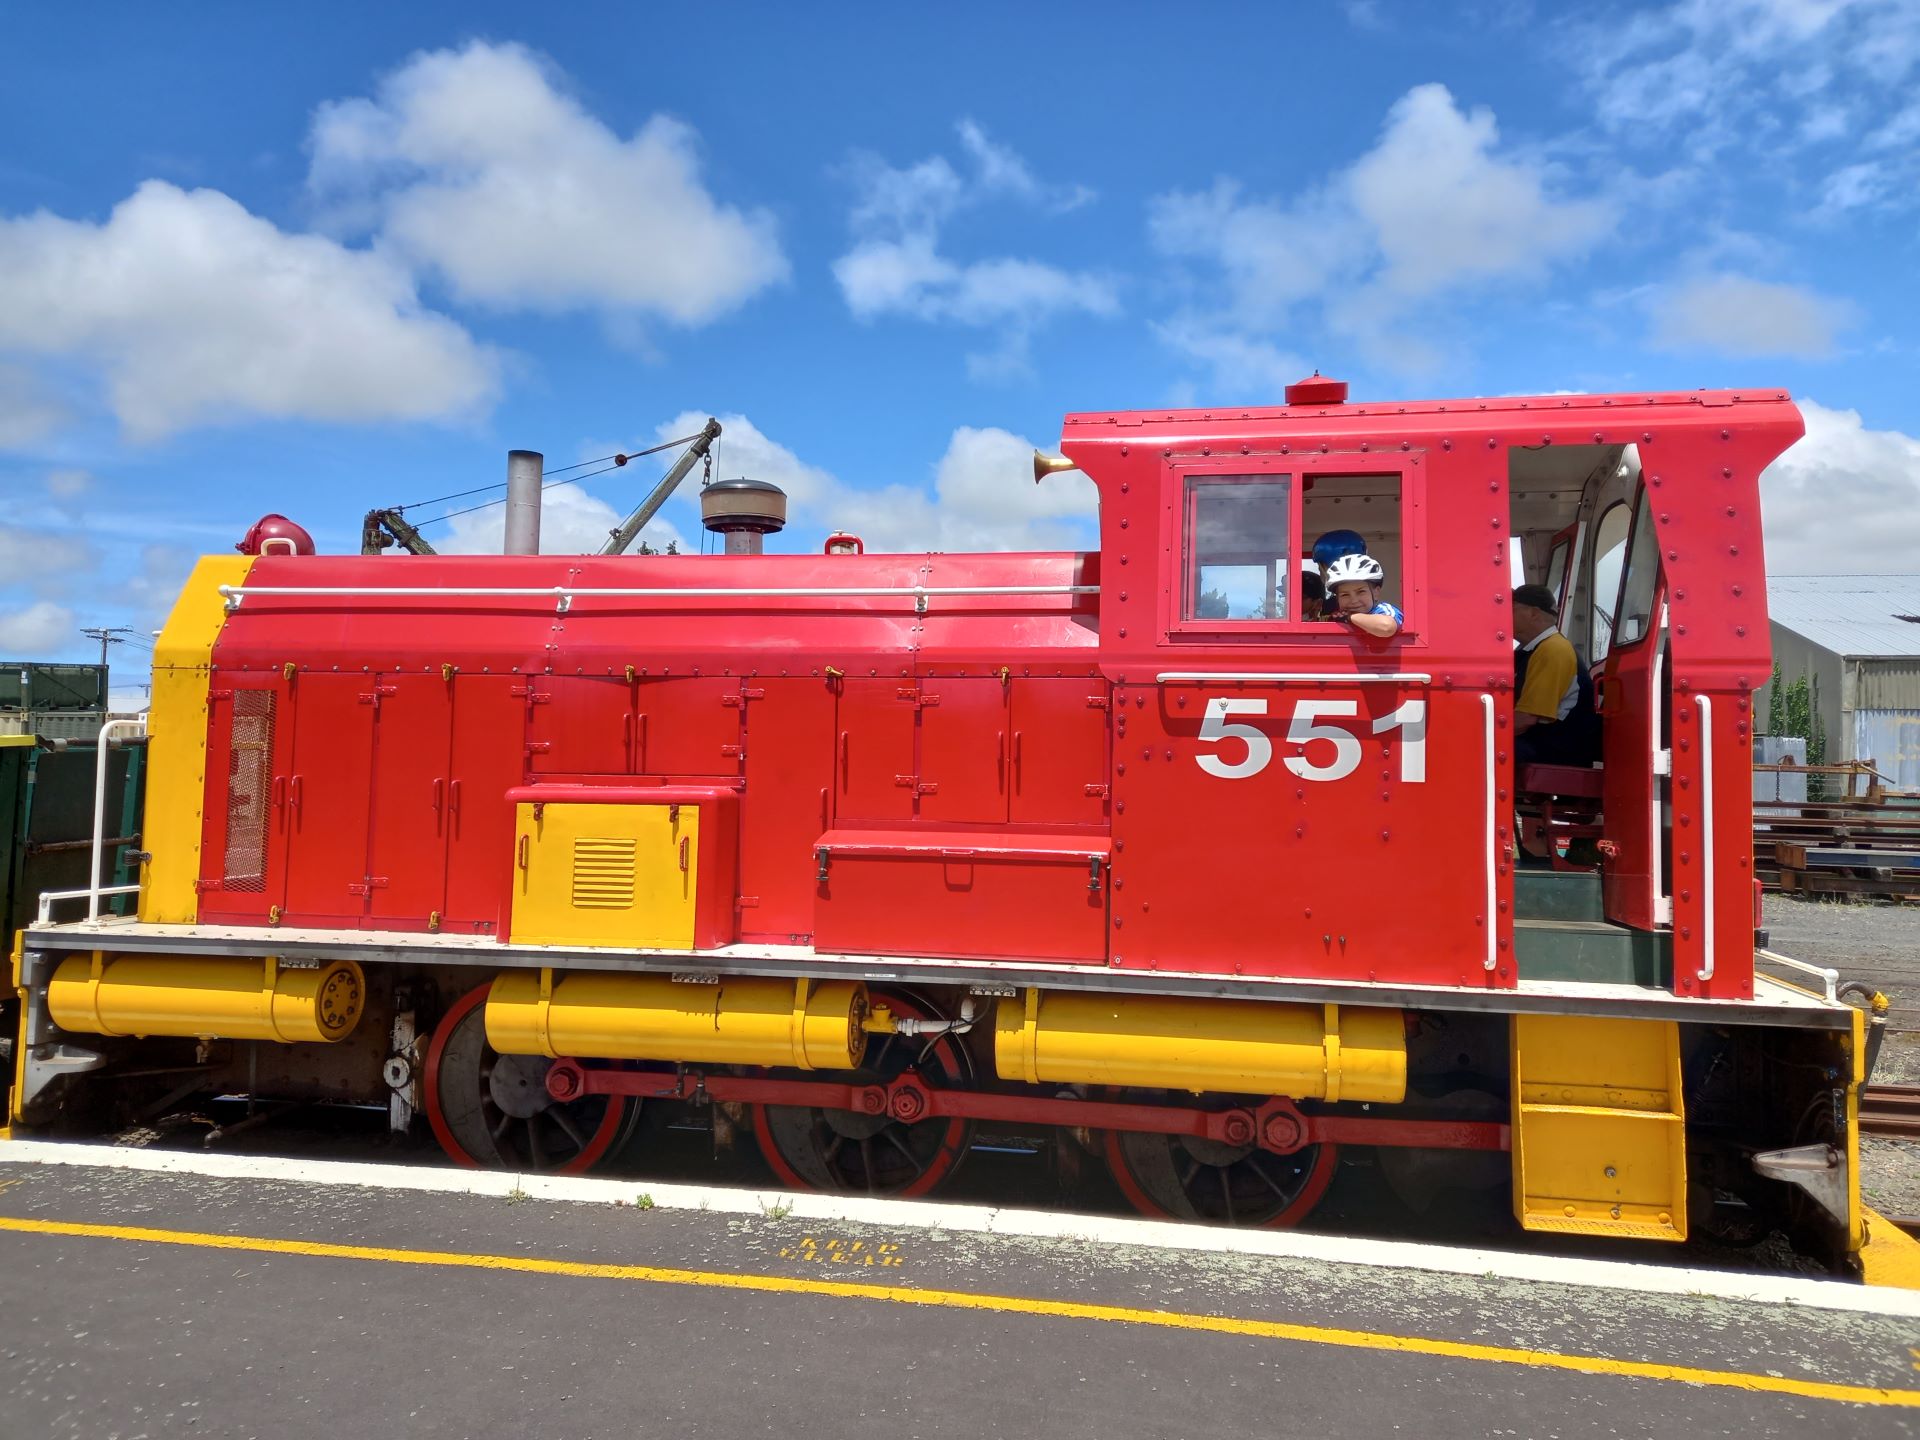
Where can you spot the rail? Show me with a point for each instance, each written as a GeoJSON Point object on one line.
{"type": "Point", "coordinates": [563, 596]}
{"type": "Point", "coordinates": [1706, 833]}
{"type": "Point", "coordinates": [1829, 979]}
{"type": "Point", "coordinates": [103, 748]}
{"type": "Point", "coordinates": [1487, 709]}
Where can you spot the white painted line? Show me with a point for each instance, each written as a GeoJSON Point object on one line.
{"type": "Point", "coordinates": [988, 1220]}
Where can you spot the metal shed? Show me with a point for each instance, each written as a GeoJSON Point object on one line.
{"type": "Point", "coordinates": [1857, 638]}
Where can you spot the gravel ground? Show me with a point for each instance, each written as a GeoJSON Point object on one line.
{"type": "Point", "coordinates": [1879, 944]}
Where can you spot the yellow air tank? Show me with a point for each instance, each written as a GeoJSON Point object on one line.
{"type": "Point", "coordinates": [804, 1024]}
{"type": "Point", "coordinates": [1236, 1047]}
{"type": "Point", "coordinates": [227, 997]}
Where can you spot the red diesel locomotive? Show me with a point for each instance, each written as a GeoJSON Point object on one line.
{"type": "Point", "coordinates": [869, 851]}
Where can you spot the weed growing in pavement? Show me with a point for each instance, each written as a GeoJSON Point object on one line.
{"type": "Point", "coordinates": [517, 1196]}
{"type": "Point", "coordinates": [779, 1210]}
{"type": "Point", "coordinates": [644, 1202]}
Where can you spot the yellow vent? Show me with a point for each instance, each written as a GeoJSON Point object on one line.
{"type": "Point", "coordinates": [602, 873]}
{"type": "Point", "coordinates": [618, 875]}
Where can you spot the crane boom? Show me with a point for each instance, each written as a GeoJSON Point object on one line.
{"type": "Point", "coordinates": [620, 539]}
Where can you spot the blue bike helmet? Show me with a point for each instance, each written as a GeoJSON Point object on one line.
{"type": "Point", "coordinates": [1336, 543]}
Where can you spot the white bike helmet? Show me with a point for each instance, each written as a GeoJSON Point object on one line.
{"type": "Point", "coordinates": [1354, 567]}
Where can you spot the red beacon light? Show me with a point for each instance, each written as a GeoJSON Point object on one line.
{"type": "Point", "coordinates": [1317, 390]}
{"type": "Point", "coordinates": [275, 535]}
{"type": "Point", "coordinates": [840, 542]}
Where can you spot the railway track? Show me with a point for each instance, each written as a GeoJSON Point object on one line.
{"type": "Point", "coordinates": [1891, 1110]}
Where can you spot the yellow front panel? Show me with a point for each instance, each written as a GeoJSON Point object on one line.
{"type": "Point", "coordinates": [615, 875]}
{"type": "Point", "coordinates": [1599, 1127]}
{"type": "Point", "coordinates": [177, 741]}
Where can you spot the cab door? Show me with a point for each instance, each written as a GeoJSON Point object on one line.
{"type": "Point", "coordinates": [1638, 762]}
{"type": "Point", "coordinates": [244, 826]}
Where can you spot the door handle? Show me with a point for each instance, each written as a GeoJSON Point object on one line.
{"type": "Point", "coordinates": [296, 793]}
{"type": "Point", "coordinates": [453, 800]}
{"type": "Point", "coordinates": [846, 780]}
{"type": "Point", "coordinates": [439, 797]}
{"type": "Point", "coordinates": [521, 851]}
{"type": "Point", "coordinates": [683, 854]}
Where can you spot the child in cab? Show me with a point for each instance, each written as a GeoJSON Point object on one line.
{"type": "Point", "coordinates": [1354, 583]}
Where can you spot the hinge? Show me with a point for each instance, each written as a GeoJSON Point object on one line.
{"type": "Point", "coordinates": [520, 690]}
{"type": "Point", "coordinates": [733, 750]}
{"type": "Point", "coordinates": [203, 885]}
{"type": "Point", "coordinates": [747, 692]}
{"type": "Point", "coordinates": [538, 747]}
{"type": "Point", "coordinates": [219, 694]}
{"type": "Point", "coordinates": [1099, 788]}
{"type": "Point", "coordinates": [1663, 910]}
{"type": "Point", "coordinates": [539, 697]}
{"type": "Point", "coordinates": [1663, 762]}
{"type": "Point", "coordinates": [927, 787]}
{"type": "Point", "coordinates": [906, 782]}
{"type": "Point", "coordinates": [747, 902]}
{"type": "Point", "coordinates": [368, 886]}
{"type": "Point", "coordinates": [1097, 702]}
{"type": "Point", "coordinates": [386, 689]}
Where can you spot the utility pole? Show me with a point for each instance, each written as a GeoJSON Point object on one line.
{"type": "Point", "coordinates": [108, 635]}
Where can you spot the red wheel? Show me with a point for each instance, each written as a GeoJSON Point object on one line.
{"type": "Point", "coordinates": [492, 1111]}
{"type": "Point", "coordinates": [812, 1149]}
{"type": "Point", "coordinates": [1182, 1177]}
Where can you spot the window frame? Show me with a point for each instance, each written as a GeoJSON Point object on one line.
{"type": "Point", "coordinates": [1179, 563]}
{"type": "Point", "coordinates": [1593, 580]}
{"type": "Point", "coordinates": [1642, 511]}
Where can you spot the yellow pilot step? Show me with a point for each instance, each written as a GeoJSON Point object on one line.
{"type": "Point", "coordinates": [1599, 1127]}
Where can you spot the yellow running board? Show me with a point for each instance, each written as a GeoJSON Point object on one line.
{"type": "Point", "coordinates": [1599, 1127]}
{"type": "Point", "coordinates": [1890, 1256]}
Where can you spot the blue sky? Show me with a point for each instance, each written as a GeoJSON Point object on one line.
{"type": "Point", "coordinates": [320, 258]}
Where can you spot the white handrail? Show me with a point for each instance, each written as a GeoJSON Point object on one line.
{"type": "Point", "coordinates": [1706, 830]}
{"type": "Point", "coordinates": [102, 749]}
{"type": "Point", "coordinates": [1493, 860]}
{"type": "Point", "coordinates": [563, 596]}
{"type": "Point", "coordinates": [1295, 677]}
{"type": "Point", "coordinates": [1829, 979]}
{"type": "Point", "coordinates": [47, 897]}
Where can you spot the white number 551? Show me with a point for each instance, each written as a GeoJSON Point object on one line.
{"type": "Point", "coordinates": [1303, 728]}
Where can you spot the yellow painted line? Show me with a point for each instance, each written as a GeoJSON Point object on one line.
{"type": "Point", "coordinates": [993, 1304]}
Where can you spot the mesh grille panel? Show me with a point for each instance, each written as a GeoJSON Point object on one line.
{"type": "Point", "coordinates": [249, 780]}
{"type": "Point", "coordinates": [603, 869]}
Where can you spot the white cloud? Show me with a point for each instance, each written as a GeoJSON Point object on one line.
{"type": "Point", "coordinates": [29, 554]}
{"type": "Point", "coordinates": [1240, 366]}
{"type": "Point", "coordinates": [477, 163]}
{"type": "Point", "coordinates": [39, 629]}
{"type": "Point", "coordinates": [197, 312]}
{"type": "Point", "coordinates": [1736, 315]}
{"type": "Point", "coordinates": [28, 414]}
{"type": "Point", "coordinates": [1772, 74]}
{"type": "Point", "coordinates": [66, 486]}
{"type": "Point", "coordinates": [896, 267]}
{"type": "Point", "coordinates": [979, 495]}
{"type": "Point", "coordinates": [1818, 498]}
{"type": "Point", "coordinates": [1436, 207]}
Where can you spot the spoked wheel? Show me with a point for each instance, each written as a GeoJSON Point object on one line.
{"type": "Point", "coordinates": [813, 1149]}
{"type": "Point", "coordinates": [1183, 1177]}
{"type": "Point", "coordinates": [492, 1111]}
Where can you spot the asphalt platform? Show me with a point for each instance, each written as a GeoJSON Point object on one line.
{"type": "Point", "coordinates": [298, 1302]}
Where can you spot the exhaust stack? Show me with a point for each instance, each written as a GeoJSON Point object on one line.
{"type": "Point", "coordinates": [523, 502]}
{"type": "Point", "coordinates": [745, 512]}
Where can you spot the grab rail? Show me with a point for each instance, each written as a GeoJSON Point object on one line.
{"type": "Point", "coordinates": [1294, 677]}
{"type": "Point", "coordinates": [563, 596]}
{"type": "Point", "coordinates": [1706, 830]}
{"type": "Point", "coordinates": [1492, 836]}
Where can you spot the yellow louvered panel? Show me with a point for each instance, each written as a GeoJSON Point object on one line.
{"type": "Point", "coordinates": [616, 875]}
{"type": "Point", "coordinates": [603, 873]}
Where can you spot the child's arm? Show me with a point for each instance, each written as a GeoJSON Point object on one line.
{"type": "Point", "coordinates": [1382, 626]}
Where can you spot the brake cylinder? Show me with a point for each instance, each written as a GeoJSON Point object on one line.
{"type": "Point", "coordinates": [802, 1024]}
{"type": "Point", "coordinates": [1239, 1047]}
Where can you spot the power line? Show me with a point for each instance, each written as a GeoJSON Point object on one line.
{"type": "Point", "coordinates": [108, 635]}
{"type": "Point", "coordinates": [617, 459]}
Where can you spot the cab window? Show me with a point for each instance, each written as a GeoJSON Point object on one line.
{"type": "Point", "coordinates": [1239, 538]}
{"type": "Point", "coordinates": [1635, 618]}
{"type": "Point", "coordinates": [1609, 550]}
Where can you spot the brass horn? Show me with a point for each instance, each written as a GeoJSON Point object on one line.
{"type": "Point", "coordinates": [1045, 465]}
